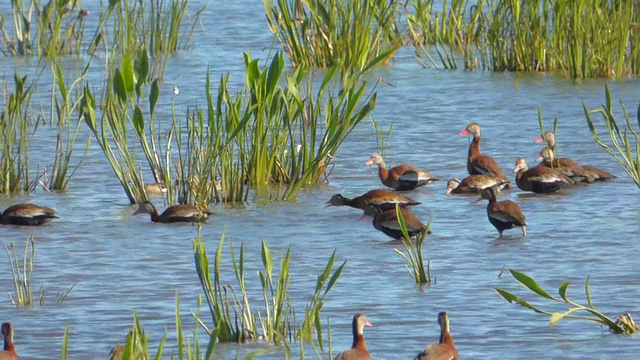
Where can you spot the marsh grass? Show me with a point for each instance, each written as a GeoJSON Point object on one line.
{"type": "Point", "coordinates": [21, 270]}
{"type": "Point", "coordinates": [323, 33]}
{"type": "Point", "coordinates": [232, 315]}
{"type": "Point", "coordinates": [581, 38]}
{"type": "Point", "coordinates": [158, 27]}
{"type": "Point", "coordinates": [626, 142]}
{"type": "Point", "coordinates": [58, 27]}
{"type": "Point", "coordinates": [414, 258]}
{"type": "Point", "coordinates": [623, 325]}
{"type": "Point", "coordinates": [14, 119]}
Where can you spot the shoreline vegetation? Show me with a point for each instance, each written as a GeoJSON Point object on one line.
{"type": "Point", "coordinates": [279, 133]}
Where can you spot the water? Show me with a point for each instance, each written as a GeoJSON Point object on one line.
{"type": "Point", "coordinates": [123, 264]}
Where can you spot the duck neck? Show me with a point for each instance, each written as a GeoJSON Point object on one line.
{"type": "Point", "coordinates": [358, 339]}
{"type": "Point", "coordinates": [492, 197]}
{"type": "Point", "coordinates": [445, 336]}
{"type": "Point", "coordinates": [474, 147]}
{"type": "Point", "coordinates": [155, 217]}
{"type": "Point", "coordinates": [383, 172]}
{"type": "Point", "coordinates": [8, 344]}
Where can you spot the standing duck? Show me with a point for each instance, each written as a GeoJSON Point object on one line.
{"type": "Point", "coordinates": [445, 349]}
{"type": "Point", "coordinates": [549, 137]}
{"type": "Point", "coordinates": [175, 213]}
{"type": "Point", "coordinates": [504, 215]}
{"type": "Point", "coordinates": [27, 214]}
{"type": "Point", "coordinates": [540, 179]}
{"type": "Point", "coordinates": [373, 200]}
{"type": "Point", "coordinates": [358, 349]}
{"type": "Point", "coordinates": [478, 164]}
{"type": "Point", "coordinates": [567, 167]}
{"type": "Point", "coordinates": [9, 352]}
{"type": "Point", "coordinates": [474, 184]}
{"type": "Point", "coordinates": [401, 177]}
{"type": "Point", "coordinates": [387, 222]}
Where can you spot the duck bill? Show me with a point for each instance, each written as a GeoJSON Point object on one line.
{"type": "Point", "coordinates": [448, 191]}
{"type": "Point", "coordinates": [464, 132]}
{"type": "Point", "coordinates": [138, 212]}
{"type": "Point", "coordinates": [516, 169]}
{"type": "Point", "coordinates": [539, 140]}
{"type": "Point", "coordinates": [539, 158]}
{"type": "Point", "coordinates": [368, 162]}
{"type": "Point", "coordinates": [368, 324]}
{"type": "Point", "coordinates": [328, 203]}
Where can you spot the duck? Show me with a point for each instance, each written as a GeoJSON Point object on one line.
{"type": "Point", "coordinates": [358, 349]}
{"type": "Point", "coordinates": [443, 350]}
{"type": "Point", "coordinates": [155, 189]}
{"type": "Point", "coordinates": [477, 163]}
{"type": "Point", "coordinates": [503, 215]}
{"type": "Point", "coordinates": [27, 214]}
{"type": "Point", "coordinates": [9, 352]}
{"type": "Point", "coordinates": [373, 200]}
{"type": "Point", "coordinates": [568, 167]}
{"type": "Point", "coordinates": [401, 177]}
{"type": "Point", "coordinates": [473, 184]}
{"type": "Point", "coordinates": [595, 174]}
{"type": "Point", "coordinates": [174, 213]}
{"type": "Point", "coordinates": [387, 222]}
{"type": "Point", "coordinates": [540, 179]}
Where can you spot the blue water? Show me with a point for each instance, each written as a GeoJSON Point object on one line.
{"type": "Point", "coordinates": [123, 264]}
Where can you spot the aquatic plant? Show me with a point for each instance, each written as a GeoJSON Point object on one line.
{"type": "Point", "coordinates": [322, 33]}
{"type": "Point", "coordinates": [157, 27]}
{"type": "Point", "coordinates": [580, 38]}
{"type": "Point", "coordinates": [58, 26]}
{"type": "Point", "coordinates": [63, 108]}
{"type": "Point", "coordinates": [626, 142]}
{"type": "Point", "coordinates": [14, 162]}
{"type": "Point", "coordinates": [623, 325]}
{"type": "Point", "coordinates": [231, 308]}
{"type": "Point", "coordinates": [414, 258]}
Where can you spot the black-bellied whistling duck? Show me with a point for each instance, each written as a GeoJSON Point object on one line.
{"type": "Point", "coordinates": [549, 137]}
{"type": "Point", "coordinates": [358, 349]}
{"type": "Point", "coordinates": [567, 167]}
{"type": "Point", "coordinates": [401, 177]}
{"type": "Point", "coordinates": [597, 174]}
{"type": "Point", "coordinates": [477, 163]}
{"type": "Point", "coordinates": [175, 213]}
{"type": "Point", "coordinates": [155, 189]}
{"type": "Point", "coordinates": [9, 352]}
{"type": "Point", "coordinates": [540, 179]}
{"type": "Point", "coordinates": [27, 214]}
{"type": "Point", "coordinates": [387, 222]}
{"type": "Point", "coordinates": [116, 352]}
{"type": "Point", "coordinates": [373, 200]}
{"type": "Point", "coordinates": [504, 215]}
{"type": "Point", "coordinates": [445, 349]}
{"type": "Point", "coordinates": [473, 184]}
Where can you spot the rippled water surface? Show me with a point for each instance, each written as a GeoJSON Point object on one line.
{"type": "Point", "coordinates": [125, 264]}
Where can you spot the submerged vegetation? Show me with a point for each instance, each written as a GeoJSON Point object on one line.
{"type": "Point", "coordinates": [623, 325]}
{"type": "Point", "coordinates": [626, 142]}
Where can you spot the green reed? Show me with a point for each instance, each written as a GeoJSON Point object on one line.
{"type": "Point", "coordinates": [626, 142]}
{"type": "Point", "coordinates": [230, 307]}
{"type": "Point", "coordinates": [414, 258]}
{"type": "Point", "coordinates": [624, 324]}
{"type": "Point", "coordinates": [58, 27]}
{"type": "Point", "coordinates": [14, 118]}
{"type": "Point", "coordinates": [21, 271]}
{"type": "Point", "coordinates": [63, 110]}
{"type": "Point", "coordinates": [157, 27]}
{"type": "Point", "coordinates": [581, 38]}
{"type": "Point", "coordinates": [323, 33]}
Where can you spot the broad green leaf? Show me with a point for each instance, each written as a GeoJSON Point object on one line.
{"type": "Point", "coordinates": [138, 121]}
{"type": "Point", "coordinates": [562, 290]}
{"type": "Point", "coordinates": [529, 283]}
{"type": "Point", "coordinates": [119, 86]}
{"type": "Point", "coordinates": [153, 96]}
{"type": "Point", "coordinates": [555, 317]}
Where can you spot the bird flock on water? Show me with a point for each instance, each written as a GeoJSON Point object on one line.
{"type": "Point", "coordinates": [485, 177]}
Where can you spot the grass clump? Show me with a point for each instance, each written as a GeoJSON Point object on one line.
{"type": "Point", "coordinates": [414, 258]}
{"type": "Point", "coordinates": [623, 325]}
{"type": "Point", "coordinates": [626, 142]}
{"type": "Point", "coordinates": [322, 33]}
{"type": "Point", "coordinates": [21, 270]}
{"type": "Point", "coordinates": [14, 162]}
{"type": "Point", "coordinates": [230, 307]}
{"type": "Point", "coordinates": [581, 38]}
